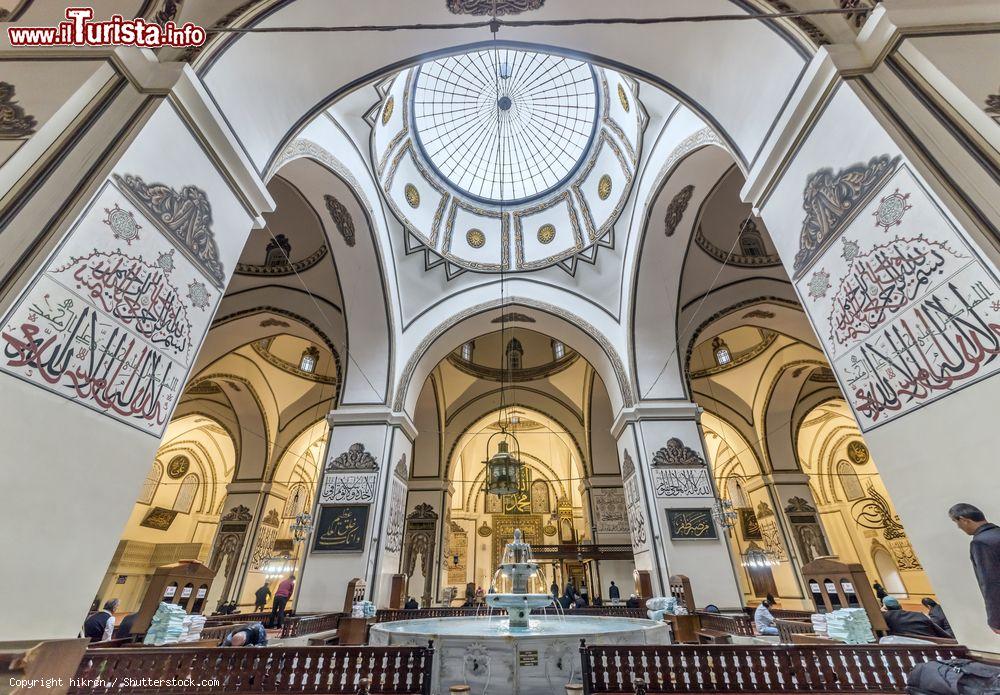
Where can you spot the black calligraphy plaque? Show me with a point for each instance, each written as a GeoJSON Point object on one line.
{"type": "Point", "coordinates": [691, 524]}
{"type": "Point", "coordinates": [749, 525]}
{"type": "Point", "coordinates": [341, 528]}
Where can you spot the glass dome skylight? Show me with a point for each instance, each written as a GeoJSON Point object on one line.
{"type": "Point", "coordinates": [505, 125]}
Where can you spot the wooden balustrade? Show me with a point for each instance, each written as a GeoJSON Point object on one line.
{"type": "Point", "coordinates": [262, 617]}
{"type": "Point", "coordinates": [787, 628]}
{"type": "Point", "coordinates": [404, 670]}
{"type": "Point", "coordinates": [310, 624]}
{"type": "Point", "coordinates": [388, 615]}
{"type": "Point", "coordinates": [787, 613]}
{"type": "Point", "coordinates": [731, 624]}
{"type": "Point", "coordinates": [765, 669]}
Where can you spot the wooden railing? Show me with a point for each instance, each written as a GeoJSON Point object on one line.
{"type": "Point", "coordinates": [262, 617]}
{"type": "Point", "coordinates": [586, 551]}
{"type": "Point", "coordinates": [405, 670]}
{"type": "Point", "coordinates": [310, 624]}
{"type": "Point", "coordinates": [387, 615]}
{"type": "Point", "coordinates": [786, 613]}
{"type": "Point", "coordinates": [787, 628]}
{"type": "Point", "coordinates": [732, 624]}
{"type": "Point", "coordinates": [764, 669]}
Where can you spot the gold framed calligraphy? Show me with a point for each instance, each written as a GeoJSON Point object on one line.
{"type": "Point", "coordinates": [691, 524]}
{"type": "Point", "coordinates": [340, 528]}
{"type": "Point", "coordinates": [749, 526]}
{"type": "Point", "coordinates": [348, 488]}
{"type": "Point", "coordinates": [159, 518]}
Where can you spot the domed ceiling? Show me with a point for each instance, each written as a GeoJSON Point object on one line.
{"type": "Point", "coordinates": [507, 160]}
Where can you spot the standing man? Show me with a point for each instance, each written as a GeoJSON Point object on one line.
{"type": "Point", "coordinates": [984, 552]}
{"type": "Point", "coordinates": [261, 596]}
{"type": "Point", "coordinates": [281, 596]}
{"type": "Point", "coordinates": [614, 593]}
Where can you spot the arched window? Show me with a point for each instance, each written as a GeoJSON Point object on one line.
{"type": "Point", "coordinates": [736, 494]}
{"type": "Point", "coordinates": [278, 251]}
{"type": "Point", "coordinates": [310, 356]}
{"type": "Point", "coordinates": [151, 483]}
{"type": "Point", "coordinates": [186, 494]}
{"type": "Point", "coordinates": [751, 241]}
{"type": "Point", "coordinates": [721, 350]}
{"type": "Point", "coordinates": [540, 501]}
{"type": "Point", "coordinates": [850, 482]}
{"type": "Point", "coordinates": [515, 354]}
{"type": "Point", "coordinates": [467, 350]}
{"type": "Point", "coordinates": [296, 502]}
{"type": "Point", "coordinates": [558, 350]}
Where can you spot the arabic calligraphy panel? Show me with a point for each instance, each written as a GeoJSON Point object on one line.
{"type": "Point", "coordinates": [610, 514]}
{"type": "Point", "coordinates": [397, 513]}
{"type": "Point", "coordinates": [681, 482]}
{"type": "Point", "coordinates": [691, 524]}
{"type": "Point", "coordinates": [341, 528]}
{"type": "Point", "coordinates": [907, 311]}
{"type": "Point", "coordinates": [345, 488]}
{"type": "Point", "coordinates": [114, 320]}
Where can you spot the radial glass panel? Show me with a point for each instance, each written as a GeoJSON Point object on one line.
{"type": "Point", "coordinates": [503, 125]}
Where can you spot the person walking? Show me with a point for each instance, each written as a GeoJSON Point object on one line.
{"type": "Point", "coordinates": [101, 625]}
{"type": "Point", "coordinates": [984, 552]}
{"type": "Point", "coordinates": [260, 597]}
{"type": "Point", "coordinates": [614, 593]}
{"type": "Point", "coordinates": [281, 596]}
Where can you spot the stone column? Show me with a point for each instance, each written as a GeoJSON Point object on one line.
{"type": "Point", "coordinates": [680, 499]}
{"type": "Point", "coordinates": [135, 167]}
{"type": "Point", "coordinates": [358, 515]}
{"type": "Point", "coordinates": [606, 501]}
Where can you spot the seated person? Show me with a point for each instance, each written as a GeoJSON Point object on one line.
{"type": "Point", "coordinates": [125, 629]}
{"type": "Point", "coordinates": [565, 601]}
{"type": "Point", "coordinates": [909, 623]}
{"type": "Point", "coordinates": [252, 635]}
{"type": "Point", "coordinates": [100, 626]}
{"type": "Point", "coordinates": [936, 614]}
{"type": "Point", "coordinates": [633, 602]}
{"type": "Point", "coordinates": [763, 621]}
{"type": "Point", "coordinates": [411, 604]}
{"type": "Point", "coordinates": [579, 601]}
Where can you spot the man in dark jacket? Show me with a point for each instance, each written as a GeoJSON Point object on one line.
{"type": "Point", "coordinates": [411, 604]}
{"type": "Point", "coordinates": [252, 635]}
{"type": "Point", "coordinates": [100, 626]}
{"type": "Point", "coordinates": [261, 596]}
{"type": "Point", "coordinates": [614, 593]}
{"type": "Point", "coordinates": [984, 551]}
{"type": "Point", "coordinates": [909, 623]}
{"type": "Point", "coordinates": [936, 614]}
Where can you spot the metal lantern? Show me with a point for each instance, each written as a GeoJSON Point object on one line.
{"type": "Point", "coordinates": [505, 473]}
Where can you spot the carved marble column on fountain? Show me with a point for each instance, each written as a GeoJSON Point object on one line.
{"type": "Point", "coordinates": [517, 569]}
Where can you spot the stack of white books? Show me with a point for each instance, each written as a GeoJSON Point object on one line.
{"type": "Point", "coordinates": [167, 625]}
{"type": "Point", "coordinates": [850, 625]}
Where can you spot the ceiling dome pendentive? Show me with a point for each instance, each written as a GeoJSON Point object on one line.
{"type": "Point", "coordinates": [507, 159]}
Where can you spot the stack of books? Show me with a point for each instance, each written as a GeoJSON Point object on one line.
{"type": "Point", "coordinates": [167, 625]}
{"type": "Point", "coordinates": [818, 623]}
{"type": "Point", "coordinates": [850, 625]}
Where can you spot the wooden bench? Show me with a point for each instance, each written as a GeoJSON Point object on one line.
{"type": "Point", "coordinates": [719, 628]}
{"type": "Point", "coordinates": [310, 624]}
{"type": "Point", "coordinates": [324, 639]}
{"type": "Point", "coordinates": [225, 671]}
{"type": "Point", "coordinates": [753, 668]}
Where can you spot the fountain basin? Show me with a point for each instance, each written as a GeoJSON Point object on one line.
{"type": "Point", "coordinates": [493, 656]}
{"type": "Point", "coordinates": [519, 606]}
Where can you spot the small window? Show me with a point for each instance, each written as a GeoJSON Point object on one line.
{"type": "Point", "coordinates": [186, 494]}
{"type": "Point", "coordinates": [850, 482]}
{"type": "Point", "coordinates": [721, 350]}
{"type": "Point", "coordinates": [467, 350]}
{"type": "Point", "coordinates": [558, 350]}
{"type": "Point", "coordinates": [278, 251]}
{"type": "Point", "coordinates": [151, 483]}
{"type": "Point", "coordinates": [310, 356]}
{"type": "Point", "coordinates": [751, 241]}
{"type": "Point", "coordinates": [515, 353]}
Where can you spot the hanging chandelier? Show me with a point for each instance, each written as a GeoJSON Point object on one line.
{"type": "Point", "coordinates": [505, 472]}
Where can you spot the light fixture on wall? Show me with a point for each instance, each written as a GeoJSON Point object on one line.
{"type": "Point", "coordinates": [724, 514]}
{"type": "Point", "coordinates": [302, 527]}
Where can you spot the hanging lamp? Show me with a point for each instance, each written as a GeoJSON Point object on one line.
{"type": "Point", "coordinates": [505, 472]}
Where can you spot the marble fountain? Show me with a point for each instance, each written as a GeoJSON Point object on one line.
{"type": "Point", "coordinates": [516, 653]}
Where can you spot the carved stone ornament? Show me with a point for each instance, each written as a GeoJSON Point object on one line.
{"type": "Point", "coordinates": [676, 208]}
{"type": "Point", "coordinates": [14, 122]}
{"type": "Point", "coordinates": [797, 504]}
{"type": "Point", "coordinates": [341, 218]}
{"type": "Point", "coordinates": [628, 466]}
{"type": "Point", "coordinates": [186, 215]}
{"type": "Point", "coordinates": [238, 513]}
{"type": "Point", "coordinates": [676, 454]}
{"type": "Point", "coordinates": [764, 511]}
{"type": "Point", "coordinates": [422, 512]}
{"type": "Point", "coordinates": [168, 12]}
{"type": "Point", "coordinates": [271, 518]}
{"type": "Point", "coordinates": [401, 469]}
{"type": "Point", "coordinates": [830, 199]}
{"type": "Point", "coordinates": [513, 317]}
{"type": "Point", "coordinates": [488, 7]}
{"type": "Point", "coordinates": [355, 458]}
